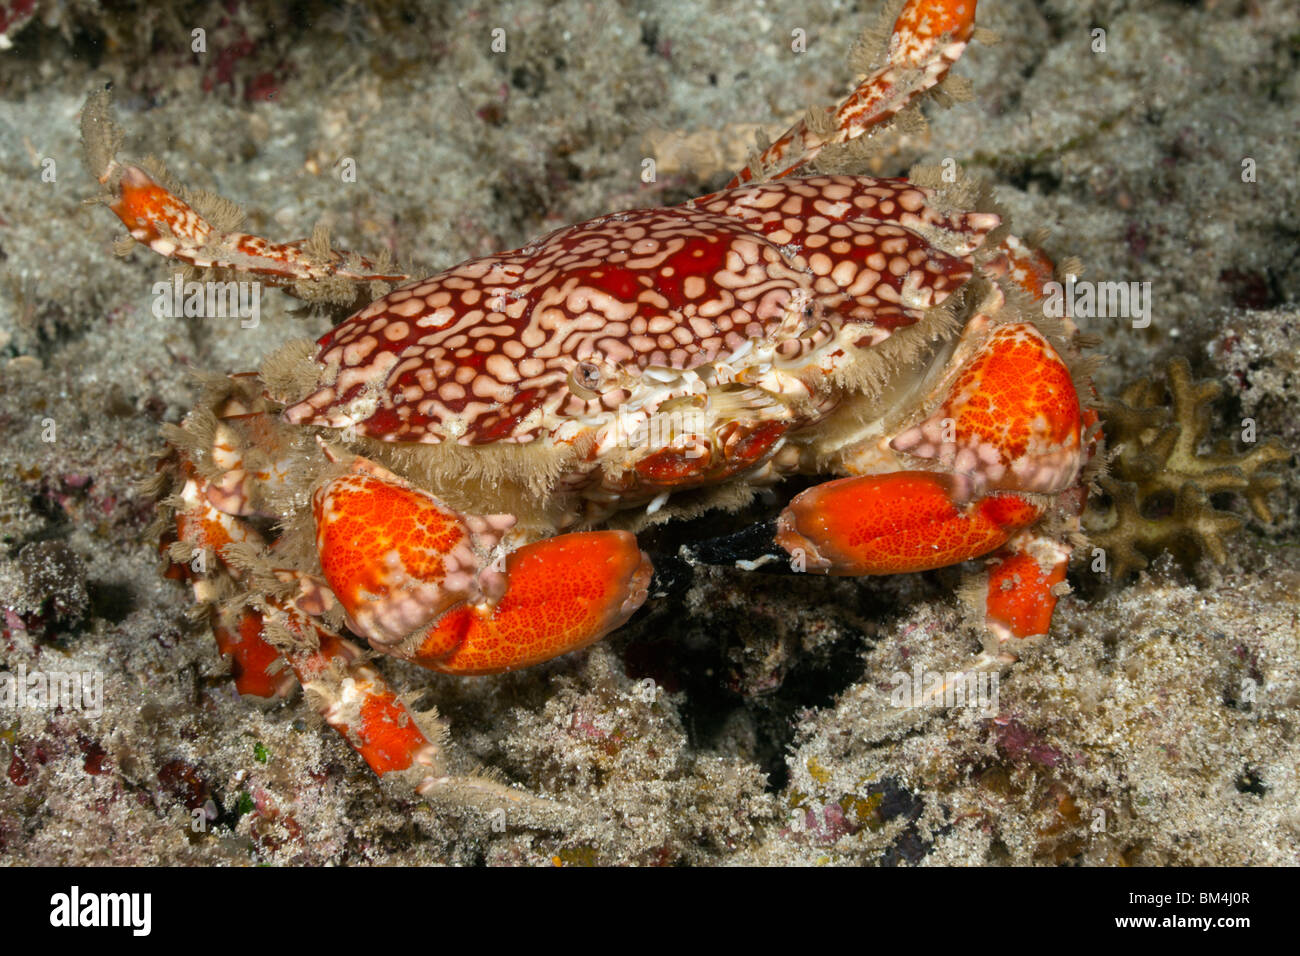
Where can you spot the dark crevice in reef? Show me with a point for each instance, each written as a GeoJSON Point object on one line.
{"type": "Point", "coordinates": [724, 669]}
{"type": "Point", "coordinates": [768, 646]}
{"type": "Point", "coordinates": [109, 601]}
{"type": "Point", "coordinates": [1250, 782]}
{"type": "Point", "coordinates": [1023, 175]}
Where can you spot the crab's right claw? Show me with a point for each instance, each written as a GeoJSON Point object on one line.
{"type": "Point", "coordinates": [426, 583]}
{"type": "Point", "coordinates": [561, 595]}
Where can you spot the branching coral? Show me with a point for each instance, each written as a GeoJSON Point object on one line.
{"type": "Point", "coordinates": [1160, 483]}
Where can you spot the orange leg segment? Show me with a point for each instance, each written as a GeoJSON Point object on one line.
{"type": "Point", "coordinates": [253, 662]}
{"type": "Point", "coordinates": [353, 697]}
{"type": "Point", "coordinates": [1021, 596]}
{"type": "Point", "coordinates": [171, 227]}
{"type": "Point", "coordinates": [355, 700]}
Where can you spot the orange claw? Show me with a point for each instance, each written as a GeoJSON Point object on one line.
{"type": "Point", "coordinates": [563, 594]}
{"type": "Point", "coordinates": [395, 556]}
{"type": "Point", "coordinates": [1011, 420]}
{"type": "Point", "coordinates": [418, 579]}
{"type": "Point", "coordinates": [895, 523]}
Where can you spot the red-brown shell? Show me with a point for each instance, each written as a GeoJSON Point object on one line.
{"type": "Point", "coordinates": [483, 352]}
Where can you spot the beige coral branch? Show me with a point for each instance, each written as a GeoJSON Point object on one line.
{"type": "Point", "coordinates": [1160, 481]}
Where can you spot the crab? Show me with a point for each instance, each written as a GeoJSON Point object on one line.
{"type": "Point", "coordinates": [454, 474]}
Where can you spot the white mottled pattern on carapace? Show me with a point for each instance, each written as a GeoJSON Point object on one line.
{"type": "Point", "coordinates": [487, 350]}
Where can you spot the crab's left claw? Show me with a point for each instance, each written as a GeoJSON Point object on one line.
{"type": "Point", "coordinates": [423, 582]}
{"type": "Point", "coordinates": [1010, 431]}
{"type": "Point", "coordinates": [896, 523]}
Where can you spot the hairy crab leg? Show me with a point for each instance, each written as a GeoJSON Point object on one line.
{"type": "Point", "coordinates": [204, 534]}
{"type": "Point", "coordinates": [258, 669]}
{"type": "Point", "coordinates": [354, 699]}
{"type": "Point", "coordinates": [1027, 267]}
{"type": "Point", "coordinates": [927, 38]}
{"type": "Point", "coordinates": [535, 613]}
{"type": "Point", "coordinates": [158, 218]}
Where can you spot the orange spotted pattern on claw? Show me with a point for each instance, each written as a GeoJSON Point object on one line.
{"type": "Point", "coordinates": [1014, 416]}
{"type": "Point", "coordinates": [404, 567]}
{"type": "Point", "coordinates": [484, 352]}
{"type": "Point", "coordinates": [393, 555]}
{"type": "Point", "coordinates": [565, 592]}
{"type": "Point", "coordinates": [892, 524]}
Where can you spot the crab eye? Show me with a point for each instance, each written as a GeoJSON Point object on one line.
{"type": "Point", "coordinates": [584, 380]}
